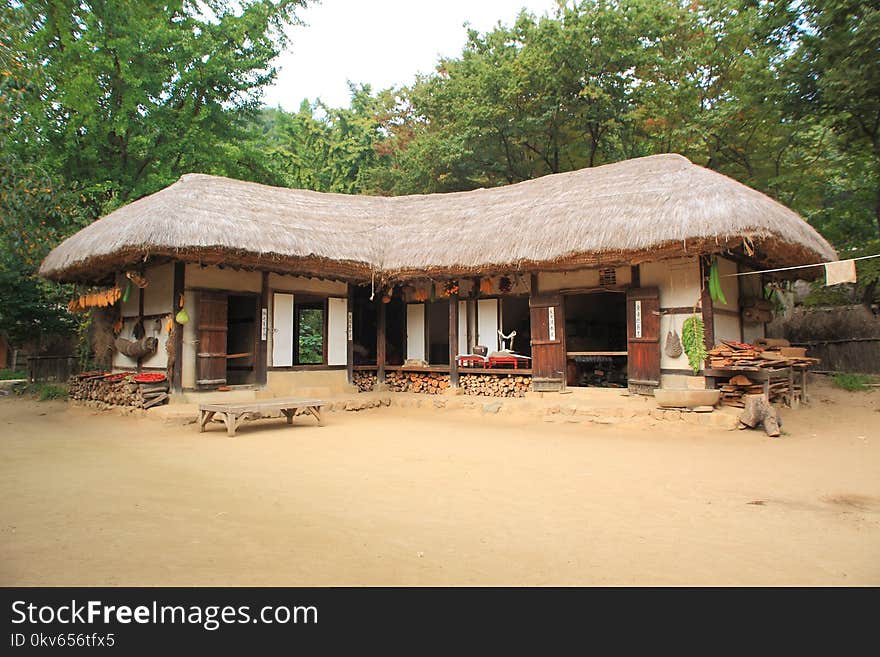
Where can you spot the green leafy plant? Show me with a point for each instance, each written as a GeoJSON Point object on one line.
{"type": "Point", "coordinates": [851, 382]}
{"type": "Point", "coordinates": [9, 375]}
{"type": "Point", "coordinates": [694, 342]}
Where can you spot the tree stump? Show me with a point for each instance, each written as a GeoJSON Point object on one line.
{"type": "Point", "coordinates": [759, 411]}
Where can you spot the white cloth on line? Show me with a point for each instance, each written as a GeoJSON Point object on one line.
{"type": "Point", "coordinates": [842, 271]}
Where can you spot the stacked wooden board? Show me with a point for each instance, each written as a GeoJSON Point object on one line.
{"type": "Point", "coordinates": [771, 368]}
{"type": "Point", "coordinates": [740, 355]}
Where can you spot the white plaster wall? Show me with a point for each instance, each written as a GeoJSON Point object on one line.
{"type": "Point", "coordinates": [157, 295]}
{"type": "Point", "coordinates": [188, 364]}
{"type": "Point", "coordinates": [678, 280]}
{"type": "Point", "coordinates": [158, 359]}
{"type": "Point", "coordinates": [726, 328]}
{"type": "Point", "coordinates": [222, 279]}
{"type": "Point", "coordinates": [130, 307]}
{"type": "Point", "coordinates": [668, 323]}
{"type": "Point", "coordinates": [578, 279]}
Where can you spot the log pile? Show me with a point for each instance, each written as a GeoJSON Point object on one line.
{"type": "Point", "coordinates": [364, 381]}
{"type": "Point", "coordinates": [490, 385]}
{"type": "Point", "coordinates": [429, 383]}
{"type": "Point", "coordinates": [116, 390]}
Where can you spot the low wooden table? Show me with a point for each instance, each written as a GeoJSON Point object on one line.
{"type": "Point", "coordinates": [234, 413]}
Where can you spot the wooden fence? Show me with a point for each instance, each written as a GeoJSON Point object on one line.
{"type": "Point", "coordinates": [56, 369]}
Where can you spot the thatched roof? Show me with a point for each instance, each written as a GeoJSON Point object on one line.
{"type": "Point", "coordinates": [641, 209]}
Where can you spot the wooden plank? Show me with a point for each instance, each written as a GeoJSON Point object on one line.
{"type": "Point", "coordinates": [380, 343]}
{"type": "Point", "coordinates": [706, 303]}
{"type": "Point", "coordinates": [349, 328]}
{"type": "Point", "coordinates": [212, 328]}
{"type": "Point", "coordinates": [453, 340]}
{"type": "Point", "coordinates": [548, 343]}
{"type": "Point", "coordinates": [643, 336]}
{"type": "Point", "coordinates": [177, 291]}
{"type": "Point", "coordinates": [261, 346]}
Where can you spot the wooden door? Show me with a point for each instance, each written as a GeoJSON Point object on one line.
{"type": "Point", "coordinates": [643, 339]}
{"type": "Point", "coordinates": [212, 328]}
{"type": "Point", "coordinates": [548, 342]}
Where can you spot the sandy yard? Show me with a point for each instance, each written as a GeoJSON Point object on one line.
{"type": "Point", "coordinates": [423, 497]}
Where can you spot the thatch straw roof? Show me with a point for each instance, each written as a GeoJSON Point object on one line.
{"type": "Point", "coordinates": [641, 209]}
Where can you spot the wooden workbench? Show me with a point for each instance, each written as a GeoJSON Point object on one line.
{"type": "Point", "coordinates": [234, 413]}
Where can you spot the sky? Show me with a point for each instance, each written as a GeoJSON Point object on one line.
{"type": "Point", "coordinates": [381, 42]}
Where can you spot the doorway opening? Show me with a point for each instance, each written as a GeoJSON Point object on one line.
{"type": "Point", "coordinates": [365, 314]}
{"type": "Point", "coordinates": [438, 332]}
{"type": "Point", "coordinates": [595, 338]}
{"type": "Point", "coordinates": [241, 339]}
{"type": "Point", "coordinates": [516, 317]}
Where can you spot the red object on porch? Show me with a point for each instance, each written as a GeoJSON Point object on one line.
{"type": "Point", "coordinates": [508, 360]}
{"type": "Point", "coordinates": [472, 360]}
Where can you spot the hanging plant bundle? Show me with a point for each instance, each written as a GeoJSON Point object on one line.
{"type": "Point", "coordinates": [450, 288]}
{"type": "Point", "coordinates": [694, 342]}
{"type": "Point", "coordinates": [505, 285]}
{"type": "Point", "coordinates": [420, 294]}
{"type": "Point", "coordinates": [486, 286]}
{"type": "Point", "coordinates": [715, 290]}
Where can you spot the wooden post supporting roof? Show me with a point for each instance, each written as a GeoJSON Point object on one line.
{"type": "Point", "coordinates": [453, 340]}
{"type": "Point", "coordinates": [178, 287]}
{"type": "Point", "coordinates": [380, 344]}
{"type": "Point", "coordinates": [706, 303]}
{"type": "Point", "coordinates": [349, 334]}
{"type": "Point", "coordinates": [262, 355]}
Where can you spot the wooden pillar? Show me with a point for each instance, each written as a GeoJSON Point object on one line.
{"type": "Point", "coordinates": [380, 344]}
{"type": "Point", "coordinates": [635, 276]}
{"type": "Point", "coordinates": [349, 334]}
{"type": "Point", "coordinates": [177, 287]}
{"type": "Point", "coordinates": [706, 304]}
{"type": "Point", "coordinates": [140, 359]}
{"type": "Point", "coordinates": [453, 340]}
{"type": "Point", "coordinates": [262, 356]}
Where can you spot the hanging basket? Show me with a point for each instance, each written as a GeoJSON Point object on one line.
{"type": "Point", "coordinates": [673, 346]}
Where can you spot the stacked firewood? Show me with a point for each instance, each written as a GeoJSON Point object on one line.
{"type": "Point", "coordinates": [738, 354]}
{"type": "Point", "coordinates": [364, 381]}
{"type": "Point", "coordinates": [490, 385]}
{"type": "Point", "coordinates": [430, 383]}
{"type": "Point", "coordinates": [117, 391]}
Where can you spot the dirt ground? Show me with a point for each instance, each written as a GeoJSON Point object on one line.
{"type": "Point", "coordinates": [424, 497]}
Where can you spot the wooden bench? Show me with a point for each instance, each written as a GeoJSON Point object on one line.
{"type": "Point", "coordinates": [234, 413]}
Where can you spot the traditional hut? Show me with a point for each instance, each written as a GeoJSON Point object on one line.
{"type": "Point", "coordinates": [591, 269]}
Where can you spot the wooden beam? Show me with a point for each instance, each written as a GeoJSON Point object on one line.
{"type": "Point", "coordinates": [177, 290]}
{"type": "Point", "coordinates": [261, 357]}
{"type": "Point", "coordinates": [453, 340]}
{"type": "Point", "coordinates": [380, 343]}
{"type": "Point", "coordinates": [140, 321]}
{"type": "Point", "coordinates": [706, 304]}
{"type": "Point", "coordinates": [349, 334]}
